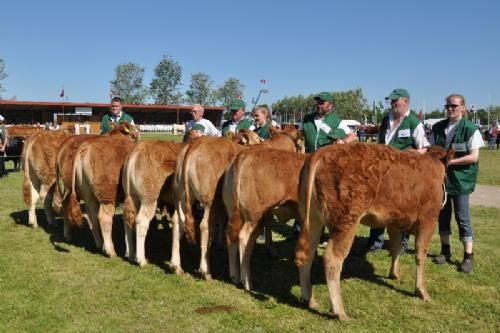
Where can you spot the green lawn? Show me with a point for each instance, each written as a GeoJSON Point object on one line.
{"type": "Point", "coordinates": [50, 286]}
{"type": "Point", "coordinates": [489, 167]}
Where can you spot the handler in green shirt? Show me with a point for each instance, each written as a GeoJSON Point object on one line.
{"type": "Point", "coordinates": [321, 128]}
{"type": "Point", "coordinates": [324, 126]}
{"type": "Point", "coordinates": [464, 137]}
{"type": "Point", "coordinates": [115, 115]}
{"type": "Point", "coordinates": [238, 120]}
{"type": "Point", "coordinates": [402, 130]}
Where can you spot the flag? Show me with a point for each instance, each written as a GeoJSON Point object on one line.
{"type": "Point", "coordinates": [421, 115]}
{"type": "Point", "coordinates": [62, 93]}
{"type": "Point", "coordinates": [263, 81]}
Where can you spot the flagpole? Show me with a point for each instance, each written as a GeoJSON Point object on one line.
{"type": "Point", "coordinates": [424, 109]}
{"type": "Point", "coordinates": [489, 109]}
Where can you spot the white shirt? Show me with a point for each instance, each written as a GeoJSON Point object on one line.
{"type": "Point", "coordinates": [319, 123]}
{"type": "Point", "coordinates": [210, 129]}
{"type": "Point", "coordinates": [419, 137]}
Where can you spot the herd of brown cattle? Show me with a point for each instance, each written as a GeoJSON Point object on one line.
{"type": "Point", "coordinates": [339, 186]}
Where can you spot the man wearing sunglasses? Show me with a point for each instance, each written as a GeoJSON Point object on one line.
{"type": "Point", "coordinates": [401, 130]}
{"type": "Point", "coordinates": [238, 120]}
{"type": "Point", "coordinates": [464, 137]}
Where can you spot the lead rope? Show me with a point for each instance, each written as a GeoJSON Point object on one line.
{"type": "Point", "coordinates": [445, 195]}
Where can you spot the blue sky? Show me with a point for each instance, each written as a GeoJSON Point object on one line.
{"type": "Point", "coordinates": [431, 48]}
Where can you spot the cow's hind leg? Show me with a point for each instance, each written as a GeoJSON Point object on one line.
{"type": "Point", "coordinates": [106, 212]}
{"type": "Point", "coordinates": [92, 208]}
{"type": "Point", "coordinates": [422, 240]}
{"type": "Point", "coordinates": [316, 229]}
{"type": "Point", "coordinates": [206, 227]}
{"type": "Point", "coordinates": [336, 251]}
{"type": "Point", "coordinates": [395, 249]}
{"type": "Point", "coordinates": [177, 231]}
{"type": "Point", "coordinates": [47, 205]}
{"type": "Point", "coordinates": [247, 237]}
{"type": "Point", "coordinates": [35, 195]}
{"type": "Point", "coordinates": [142, 220]}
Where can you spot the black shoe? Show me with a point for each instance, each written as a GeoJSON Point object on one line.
{"type": "Point", "coordinates": [445, 255]}
{"type": "Point", "coordinates": [468, 263]}
{"type": "Point", "coordinates": [441, 259]}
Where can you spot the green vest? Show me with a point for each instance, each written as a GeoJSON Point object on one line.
{"type": "Point", "coordinates": [460, 179]}
{"type": "Point", "coordinates": [263, 132]}
{"type": "Point", "coordinates": [400, 143]}
{"type": "Point", "coordinates": [106, 122]}
{"type": "Point", "coordinates": [243, 124]}
{"type": "Point", "coordinates": [315, 139]}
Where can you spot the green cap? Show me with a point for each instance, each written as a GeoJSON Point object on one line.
{"type": "Point", "coordinates": [325, 96]}
{"type": "Point", "coordinates": [236, 104]}
{"type": "Point", "coordinates": [198, 127]}
{"type": "Point", "coordinates": [398, 93]}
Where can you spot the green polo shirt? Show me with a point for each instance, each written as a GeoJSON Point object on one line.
{"type": "Point", "coordinates": [106, 121]}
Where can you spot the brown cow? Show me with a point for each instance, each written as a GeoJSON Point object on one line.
{"type": "Point", "coordinates": [258, 182]}
{"type": "Point", "coordinates": [39, 161]}
{"type": "Point", "coordinates": [198, 171]}
{"type": "Point", "coordinates": [343, 185]}
{"type": "Point", "coordinates": [146, 178]}
{"type": "Point", "coordinates": [202, 170]}
{"type": "Point", "coordinates": [64, 174]}
{"type": "Point", "coordinates": [96, 180]}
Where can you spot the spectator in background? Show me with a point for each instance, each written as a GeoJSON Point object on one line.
{"type": "Point", "coordinates": [464, 137]}
{"type": "Point", "coordinates": [493, 135]}
{"type": "Point", "coordinates": [115, 116]}
{"type": "Point", "coordinates": [4, 141]}
{"type": "Point", "coordinates": [362, 133]}
{"type": "Point", "coordinates": [205, 126]}
{"type": "Point", "coordinates": [238, 120]}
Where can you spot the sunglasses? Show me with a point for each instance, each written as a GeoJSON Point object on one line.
{"type": "Point", "coordinates": [451, 106]}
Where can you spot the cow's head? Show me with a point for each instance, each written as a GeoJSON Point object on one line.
{"type": "Point", "coordinates": [441, 154]}
{"type": "Point", "coordinates": [124, 127]}
{"type": "Point", "coordinates": [246, 137]}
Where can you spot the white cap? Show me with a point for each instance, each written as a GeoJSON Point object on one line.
{"type": "Point", "coordinates": [1, 118]}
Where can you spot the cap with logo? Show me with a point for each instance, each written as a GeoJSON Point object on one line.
{"type": "Point", "coordinates": [325, 97]}
{"type": "Point", "coordinates": [398, 93]}
{"type": "Point", "coordinates": [236, 104]}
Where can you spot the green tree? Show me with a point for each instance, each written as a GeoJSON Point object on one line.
{"type": "Point", "coordinates": [3, 76]}
{"type": "Point", "coordinates": [350, 104]}
{"type": "Point", "coordinates": [231, 89]}
{"type": "Point", "coordinates": [128, 83]}
{"type": "Point", "coordinates": [167, 78]}
{"type": "Point", "coordinates": [200, 90]}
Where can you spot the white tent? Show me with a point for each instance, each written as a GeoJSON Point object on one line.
{"type": "Point", "coordinates": [351, 122]}
{"type": "Point", "coordinates": [431, 122]}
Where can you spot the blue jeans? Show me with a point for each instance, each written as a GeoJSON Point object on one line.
{"type": "Point", "coordinates": [462, 216]}
{"type": "Point", "coordinates": [492, 141]}
{"type": "Point", "coordinates": [377, 238]}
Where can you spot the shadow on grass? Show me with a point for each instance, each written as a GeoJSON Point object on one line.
{"type": "Point", "coordinates": [271, 276]}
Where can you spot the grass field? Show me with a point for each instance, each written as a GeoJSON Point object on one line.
{"type": "Point", "coordinates": [47, 285]}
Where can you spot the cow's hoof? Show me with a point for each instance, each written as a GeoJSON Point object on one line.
{"type": "Point", "coordinates": [177, 270]}
{"type": "Point", "coordinates": [142, 262]}
{"type": "Point", "coordinates": [205, 276]}
{"type": "Point", "coordinates": [423, 295]}
{"type": "Point", "coordinates": [341, 316]}
{"type": "Point", "coordinates": [33, 225]}
{"type": "Point", "coordinates": [311, 304]}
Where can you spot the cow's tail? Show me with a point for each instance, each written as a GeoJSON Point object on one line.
{"type": "Point", "coordinates": [129, 210]}
{"type": "Point", "coordinates": [26, 177]}
{"type": "Point", "coordinates": [306, 187]}
{"type": "Point", "coordinates": [58, 197]}
{"type": "Point", "coordinates": [232, 180]}
{"type": "Point", "coordinates": [74, 211]}
{"type": "Point", "coordinates": [188, 213]}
